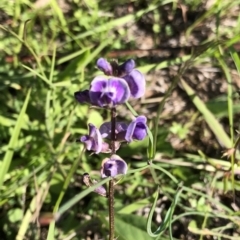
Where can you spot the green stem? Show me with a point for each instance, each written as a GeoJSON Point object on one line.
{"type": "Point", "coordinates": [111, 182]}
{"type": "Point", "coordinates": [111, 209]}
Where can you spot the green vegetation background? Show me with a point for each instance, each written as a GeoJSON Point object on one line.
{"type": "Point", "coordinates": [48, 51]}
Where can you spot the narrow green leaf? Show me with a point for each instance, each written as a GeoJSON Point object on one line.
{"type": "Point", "coordinates": [235, 58]}
{"type": "Point", "coordinates": [168, 217]}
{"type": "Point", "coordinates": [230, 95]}
{"type": "Point", "coordinates": [212, 122]}
{"type": "Point", "coordinates": [62, 193]}
{"type": "Point", "coordinates": [130, 208]}
{"type": "Point", "coordinates": [31, 211]}
{"type": "Point", "coordinates": [72, 56]}
{"type": "Point", "coordinates": [79, 196]}
{"type": "Point", "coordinates": [130, 227]}
{"type": "Point", "coordinates": [150, 149]}
{"type": "Point", "coordinates": [120, 21]}
{"type": "Point", "coordinates": [5, 164]}
{"type": "Point", "coordinates": [35, 73]}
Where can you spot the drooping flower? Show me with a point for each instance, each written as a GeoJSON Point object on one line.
{"type": "Point", "coordinates": [137, 129]}
{"type": "Point", "coordinates": [93, 141]}
{"type": "Point", "coordinates": [108, 92]}
{"type": "Point", "coordinates": [113, 166]}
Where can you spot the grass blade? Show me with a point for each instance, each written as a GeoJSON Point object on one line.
{"type": "Point", "coordinates": [167, 219]}
{"type": "Point", "coordinates": [12, 143]}
{"type": "Point", "coordinates": [212, 122]}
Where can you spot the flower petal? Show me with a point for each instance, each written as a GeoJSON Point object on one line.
{"type": "Point", "coordinates": [93, 141]}
{"type": "Point", "coordinates": [82, 96]}
{"type": "Point", "coordinates": [110, 92]}
{"type": "Point", "coordinates": [87, 141]}
{"type": "Point", "coordinates": [127, 66]}
{"type": "Point", "coordinates": [113, 166]}
{"type": "Point", "coordinates": [104, 66]}
{"type": "Point", "coordinates": [101, 190]}
{"type": "Point", "coordinates": [136, 83]}
{"type": "Point", "coordinates": [137, 129]}
{"type": "Point", "coordinates": [105, 130]}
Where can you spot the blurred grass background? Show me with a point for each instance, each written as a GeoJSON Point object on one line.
{"type": "Point", "coordinates": [189, 53]}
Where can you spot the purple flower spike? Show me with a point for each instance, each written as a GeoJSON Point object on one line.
{"type": "Point", "coordinates": [82, 96]}
{"type": "Point", "coordinates": [93, 141]}
{"type": "Point", "coordinates": [108, 92]}
{"type": "Point", "coordinates": [104, 66]}
{"type": "Point", "coordinates": [137, 129]}
{"type": "Point", "coordinates": [113, 166]}
{"type": "Point", "coordinates": [136, 83]}
{"type": "Point", "coordinates": [127, 66]}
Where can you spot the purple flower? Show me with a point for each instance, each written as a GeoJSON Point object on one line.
{"type": "Point", "coordinates": [136, 83]}
{"type": "Point", "coordinates": [93, 141]}
{"type": "Point", "coordinates": [133, 77]}
{"type": "Point", "coordinates": [137, 129]}
{"type": "Point", "coordinates": [105, 66]}
{"type": "Point", "coordinates": [126, 82]}
{"type": "Point", "coordinates": [82, 96]}
{"type": "Point", "coordinates": [108, 92]}
{"type": "Point", "coordinates": [127, 66]}
{"type": "Point", "coordinates": [113, 166]}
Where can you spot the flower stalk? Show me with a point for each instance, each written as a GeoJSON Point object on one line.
{"type": "Point", "coordinates": [120, 83]}
{"type": "Point", "coordinates": [111, 182]}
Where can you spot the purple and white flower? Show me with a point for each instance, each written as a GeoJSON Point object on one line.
{"type": "Point", "coordinates": [137, 129]}
{"type": "Point", "coordinates": [93, 141]}
{"type": "Point", "coordinates": [113, 166]}
{"type": "Point", "coordinates": [127, 71]}
{"type": "Point", "coordinates": [108, 92]}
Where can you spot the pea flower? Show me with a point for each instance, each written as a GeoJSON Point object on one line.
{"type": "Point", "coordinates": [83, 96]}
{"type": "Point", "coordinates": [113, 166]}
{"type": "Point", "coordinates": [94, 141]}
{"type": "Point", "coordinates": [108, 92]}
{"type": "Point", "coordinates": [136, 83]}
{"type": "Point", "coordinates": [133, 77]}
{"type": "Point", "coordinates": [137, 129]}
